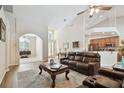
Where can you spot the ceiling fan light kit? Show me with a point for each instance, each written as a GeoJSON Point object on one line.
{"type": "Point", "coordinates": [92, 11]}
{"type": "Point", "coordinates": [95, 9]}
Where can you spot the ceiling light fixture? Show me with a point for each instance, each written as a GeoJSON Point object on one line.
{"type": "Point", "coordinates": [92, 12]}
{"type": "Point", "coordinates": [96, 10]}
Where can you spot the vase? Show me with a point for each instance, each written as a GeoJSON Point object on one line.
{"type": "Point", "coordinates": [122, 61]}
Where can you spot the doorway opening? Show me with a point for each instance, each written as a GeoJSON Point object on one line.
{"type": "Point", "coordinates": [30, 48]}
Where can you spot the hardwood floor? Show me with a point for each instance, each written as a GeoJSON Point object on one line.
{"type": "Point", "coordinates": [10, 79]}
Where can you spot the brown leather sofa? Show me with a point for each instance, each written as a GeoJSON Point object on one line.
{"type": "Point", "coordinates": [107, 78]}
{"type": "Point", "coordinates": [84, 62]}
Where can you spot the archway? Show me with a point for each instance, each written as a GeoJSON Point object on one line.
{"type": "Point", "coordinates": [30, 48]}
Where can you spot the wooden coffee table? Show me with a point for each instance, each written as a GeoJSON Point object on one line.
{"type": "Point", "coordinates": [53, 72]}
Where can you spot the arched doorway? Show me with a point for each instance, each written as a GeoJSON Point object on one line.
{"type": "Point", "coordinates": [30, 48]}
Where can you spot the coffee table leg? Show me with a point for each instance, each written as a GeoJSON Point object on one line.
{"type": "Point", "coordinates": [66, 74]}
{"type": "Point", "coordinates": [40, 67]}
{"type": "Point", "coordinates": [53, 78]}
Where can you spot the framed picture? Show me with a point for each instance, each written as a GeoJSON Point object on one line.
{"type": "Point", "coordinates": [2, 31]}
{"type": "Point", "coordinates": [75, 44]}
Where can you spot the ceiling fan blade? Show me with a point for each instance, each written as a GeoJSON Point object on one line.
{"type": "Point", "coordinates": [104, 7]}
{"type": "Point", "coordinates": [82, 12]}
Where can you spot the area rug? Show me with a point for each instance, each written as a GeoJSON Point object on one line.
{"type": "Point", "coordinates": [31, 79]}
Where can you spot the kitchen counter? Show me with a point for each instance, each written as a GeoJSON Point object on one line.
{"type": "Point", "coordinates": [108, 58]}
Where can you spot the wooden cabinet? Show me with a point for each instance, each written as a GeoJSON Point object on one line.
{"type": "Point", "coordinates": [104, 42]}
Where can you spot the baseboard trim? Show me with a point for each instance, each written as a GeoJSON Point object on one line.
{"type": "Point", "coordinates": [2, 77]}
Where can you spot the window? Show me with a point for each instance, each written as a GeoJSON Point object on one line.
{"type": "Point", "coordinates": [24, 43]}
{"type": "Point", "coordinates": [51, 43]}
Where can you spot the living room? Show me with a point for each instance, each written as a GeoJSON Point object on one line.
{"type": "Point", "coordinates": [82, 46]}
{"type": "Point", "coordinates": [87, 32]}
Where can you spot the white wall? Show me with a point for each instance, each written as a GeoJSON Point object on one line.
{"type": "Point", "coordinates": [32, 46]}
{"type": "Point", "coordinates": [14, 53]}
{"type": "Point", "coordinates": [39, 48]}
{"type": "Point", "coordinates": [4, 48]}
{"type": "Point", "coordinates": [72, 32]}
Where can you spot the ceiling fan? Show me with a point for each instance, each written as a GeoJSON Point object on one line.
{"type": "Point", "coordinates": [95, 8]}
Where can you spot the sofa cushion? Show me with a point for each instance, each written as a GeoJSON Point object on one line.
{"type": "Point", "coordinates": [90, 59]}
{"type": "Point", "coordinates": [72, 63]}
{"type": "Point", "coordinates": [82, 66]}
{"type": "Point", "coordinates": [65, 61]}
{"type": "Point", "coordinates": [95, 59]}
{"type": "Point", "coordinates": [86, 59]}
{"type": "Point", "coordinates": [71, 57]}
{"type": "Point", "coordinates": [99, 81]}
{"type": "Point", "coordinates": [111, 73]}
{"type": "Point", "coordinates": [90, 54]}
{"type": "Point", "coordinates": [78, 58]}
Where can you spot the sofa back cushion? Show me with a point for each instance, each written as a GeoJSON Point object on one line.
{"type": "Point", "coordinates": [71, 55]}
{"type": "Point", "coordinates": [78, 58]}
{"type": "Point", "coordinates": [86, 59]}
{"type": "Point", "coordinates": [91, 54]}
{"type": "Point", "coordinates": [91, 57]}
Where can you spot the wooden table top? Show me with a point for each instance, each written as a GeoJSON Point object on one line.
{"type": "Point", "coordinates": [51, 67]}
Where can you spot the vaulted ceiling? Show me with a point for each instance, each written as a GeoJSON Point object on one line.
{"type": "Point", "coordinates": [54, 16]}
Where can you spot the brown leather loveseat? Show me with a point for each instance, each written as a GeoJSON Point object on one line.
{"type": "Point", "coordinates": [107, 78]}
{"type": "Point", "coordinates": [87, 63]}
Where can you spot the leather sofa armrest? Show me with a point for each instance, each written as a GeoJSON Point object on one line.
{"type": "Point", "coordinates": [112, 73]}
{"type": "Point", "coordinates": [63, 58]}
{"type": "Point", "coordinates": [92, 67]}
{"type": "Point", "coordinates": [123, 83]}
